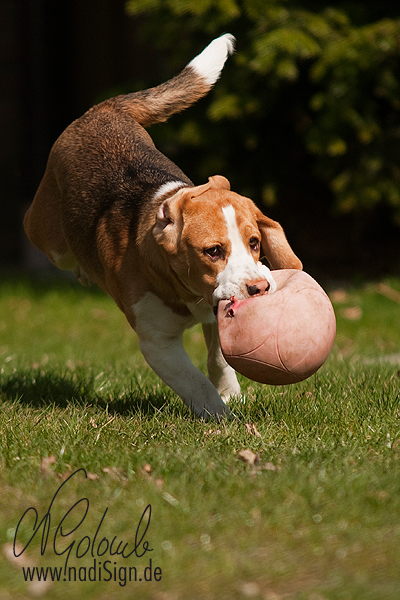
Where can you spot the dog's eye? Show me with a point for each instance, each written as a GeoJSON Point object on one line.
{"type": "Point", "coordinates": [214, 253]}
{"type": "Point", "coordinates": [254, 244]}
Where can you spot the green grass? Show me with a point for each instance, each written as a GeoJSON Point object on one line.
{"type": "Point", "coordinates": [317, 517]}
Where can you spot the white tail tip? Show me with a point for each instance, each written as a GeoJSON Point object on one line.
{"type": "Point", "coordinates": [209, 63]}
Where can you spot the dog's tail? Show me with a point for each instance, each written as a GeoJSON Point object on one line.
{"type": "Point", "coordinates": [197, 78]}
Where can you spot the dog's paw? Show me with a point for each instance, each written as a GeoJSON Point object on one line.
{"type": "Point", "coordinates": [226, 414]}
{"type": "Point", "coordinates": [233, 391]}
{"type": "Point", "coordinates": [213, 411]}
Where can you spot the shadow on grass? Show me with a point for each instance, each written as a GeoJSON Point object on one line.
{"type": "Point", "coordinates": [40, 389]}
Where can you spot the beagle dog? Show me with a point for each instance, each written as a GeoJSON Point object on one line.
{"type": "Point", "coordinates": [117, 212]}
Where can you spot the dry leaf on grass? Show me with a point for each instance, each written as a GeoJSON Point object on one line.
{"type": "Point", "coordinates": [170, 499]}
{"type": "Point", "coordinates": [116, 473]}
{"type": "Point", "coordinates": [212, 432]}
{"type": "Point", "coordinates": [352, 313]}
{"type": "Point", "coordinates": [268, 466]}
{"type": "Point", "coordinates": [37, 589]}
{"type": "Point", "coordinates": [45, 466]}
{"type": "Point", "coordinates": [146, 470]}
{"type": "Point", "coordinates": [253, 460]}
{"type": "Point", "coordinates": [21, 560]}
{"type": "Point", "coordinates": [250, 589]}
{"type": "Point", "coordinates": [34, 588]}
{"type": "Point", "coordinates": [47, 471]}
{"type": "Point", "coordinates": [338, 296]}
{"type": "Point", "coordinates": [252, 429]}
{"type": "Point", "coordinates": [248, 456]}
{"type": "Point", "coordinates": [389, 292]}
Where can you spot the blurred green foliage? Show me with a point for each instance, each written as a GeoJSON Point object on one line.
{"type": "Point", "coordinates": [308, 108]}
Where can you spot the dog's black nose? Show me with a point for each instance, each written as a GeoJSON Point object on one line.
{"type": "Point", "coordinates": [260, 287]}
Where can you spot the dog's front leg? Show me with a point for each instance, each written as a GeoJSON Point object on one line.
{"type": "Point", "coordinates": [220, 373]}
{"type": "Point", "coordinates": [160, 332]}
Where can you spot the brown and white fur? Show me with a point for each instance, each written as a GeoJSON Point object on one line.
{"type": "Point", "coordinates": [117, 212]}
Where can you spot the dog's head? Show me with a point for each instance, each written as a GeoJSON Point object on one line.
{"type": "Point", "coordinates": [215, 239]}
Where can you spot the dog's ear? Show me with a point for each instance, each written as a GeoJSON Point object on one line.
{"type": "Point", "coordinates": [169, 223]}
{"type": "Point", "coordinates": [274, 244]}
{"type": "Point", "coordinates": [216, 182]}
{"type": "Point", "coordinates": [169, 220]}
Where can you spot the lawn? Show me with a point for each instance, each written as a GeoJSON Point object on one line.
{"type": "Point", "coordinates": [298, 498]}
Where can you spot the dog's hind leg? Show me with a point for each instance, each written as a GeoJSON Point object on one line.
{"type": "Point", "coordinates": [43, 226]}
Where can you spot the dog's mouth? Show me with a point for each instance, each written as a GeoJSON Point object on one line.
{"type": "Point", "coordinates": [252, 291]}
